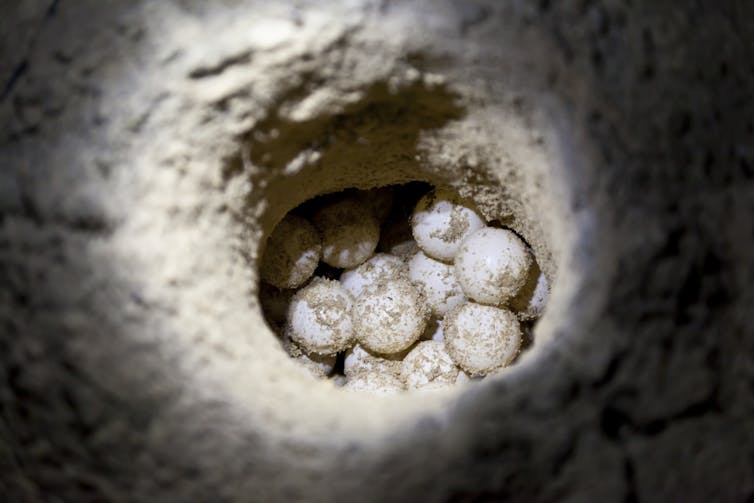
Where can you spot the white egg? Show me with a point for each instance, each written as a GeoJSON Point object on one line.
{"type": "Point", "coordinates": [492, 265]}
{"type": "Point", "coordinates": [319, 365]}
{"type": "Point", "coordinates": [481, 339]}
{"type": "Point", "coordinates": [381, 266]}
{"type": "Point", "coordinates": [292, 253]}
{"type": "Point", "coordinates": [357, 359]}
{"type": "Point", "coordinates": [437, 281]}
{"type": "Point", "coordinates": [375, 383]}
{"type": "Point", "coordinates": [441, 221]}
{"type": "Point", "coordinates": [428, 363]}
{"type": "Point", "coordinates": [350, 233]}
{"type": "Point", "coordinates": [390, 317]}
{"type": "Point", "coordinates": [319, 317]}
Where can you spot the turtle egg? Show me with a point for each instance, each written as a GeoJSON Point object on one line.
{"type": "Point", "coordinates": [428, 363]}
{"type": "Point", "coordinates": [350, 233]}
{"type": "Point", "coordinates": [358, 359]}
{"type": "Point", "coordinates": [319, 317]}
{"type": "Point", "coordinates": [319, 365]}
{"type": "Point", "coordinates": [390, 317]}
{"type": "Point", "coordinates": [492, 265]}
{"type": "Point", "coordinates": [381, 266]}
{"type": "Point", "coordinates": [437, 281]}
{"type": "Point", "coordinates": [441, 221]}
{"type": "Point", "coordinates": [481, 339]}
{"type": "Point", "coordinates": [292, 253]}
{"type": "Point", "coordinates": [375, 383]}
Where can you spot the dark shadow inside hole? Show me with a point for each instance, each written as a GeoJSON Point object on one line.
{"type": "Point", "coordinates": [370, 143]}
{"type": "Point", "coordinates": [381, 118]}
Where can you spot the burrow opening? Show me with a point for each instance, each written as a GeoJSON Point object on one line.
{"type": "Point", "coordinates": [386, 138]}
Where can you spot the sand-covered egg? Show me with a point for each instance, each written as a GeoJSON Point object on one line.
{"type": "Point", "coordinates": [292, 253]}
{"type": "Point", "coordinates": [319, 365]}
{"type": "Point", "coordinates": [437, 281]}
{"type": "Point", "coordinates": [375, 383]}
{"type": "Point", "coordinates": [357, 359]}
{"type": "Point", "coordinates": [319, 317]}
{"type": "Point", "coordinates": [412, 289]}
{"type": "Point", "coordinates": [441, 221]}
{"type": "Point", "coordinates": [390, 317]}
{"type": "Point", "coordinates": [380, 267]}
{"type": "Point", "coordinates": [428, 363]}
{"type": "Point", "coordinates": [350, 233]}
{"type": "Point", "coordinates": [481, 339]}
{"type": "Point", "coordinates": [492, 265]}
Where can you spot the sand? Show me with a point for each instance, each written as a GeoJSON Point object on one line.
{"type": "Point", "coordinates": [148, 148]}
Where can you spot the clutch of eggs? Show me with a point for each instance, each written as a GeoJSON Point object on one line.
{"type": "Point", "coordinates": [381, 297]}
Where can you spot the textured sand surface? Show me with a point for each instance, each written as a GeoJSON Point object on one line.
{"type": "Point", "coordinates": [148, 147]}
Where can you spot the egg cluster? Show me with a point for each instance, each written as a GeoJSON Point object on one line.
{"type": "Point", "coordinates": [383, 295]}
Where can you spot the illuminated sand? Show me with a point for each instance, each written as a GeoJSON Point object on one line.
{"type": "Point", "coordinates": [148, 147]}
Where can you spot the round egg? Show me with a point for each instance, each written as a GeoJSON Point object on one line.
{"type": "Point", "coordinates": [441, 221]}
{"type": "Point", "coordinates": [481, 339]}
{"type": "Point", "coordinates": [428, 363]}
{"type": "Point", "coordinates": [375, 383]}
{"type": "Point", "coordinates": [357, 359]}
{"type": "Point", "coordinates": [380, 267]}
{"type": "Point", "coordinates": [437, 281]}
{"type": "Point", "coordinates": [319, 365]}
{"type": "Point", "coordinates": [292, 253]}
{"type": "Point", "coordinates": [390, 317]}
{"type": "Point", "coordinates": [492, 265]}
{"type": "Point", "coordinates": [350, 233]}
{"type": "Point", "coordinates": [319, 317]}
